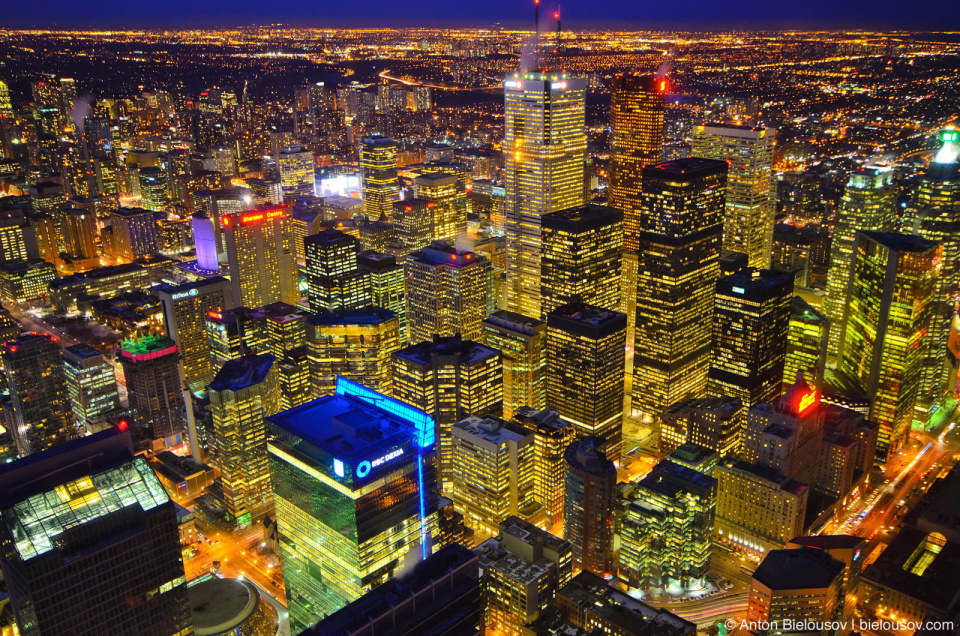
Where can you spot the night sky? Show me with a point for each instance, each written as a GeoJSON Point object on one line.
{"type": "Point", "coordinates": [692, 14]}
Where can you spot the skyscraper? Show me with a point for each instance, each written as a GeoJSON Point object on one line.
{"type": "Point", "coordinates": [714, 423]}
{"type": "Point", "coordinates": [449, 379]}
{"type": "Point", "coordinates": [185, 309]}
{"type": "Point", "coordinates": [552, 435]}
{"type": "Point", "coordinates": [636, 129]}
{"type": "Point", "coordinates": [750, 195]}
{"type": "Point", "coordinates": [523, 343]}
{"type": "Point", "coordinates": [333, 278]}
{"type": "Point", "coordinates": [933, 214]}
{"type": "Point", "coordinates": [91, 384]}
{"type": "Point", "coordinates": [493, 474]}
{"type": "Point", "coordinates": [296, 167]}
{"type": "Point", "coordinates": [152, 374]}
{"type": "Point", "coordinates": [449, 210]}
{"type": "Point", "coordinates": [354, 484]}
{"type": "Point", "coordinates": [893, 284]}
{"type": "Point", "coordinates": [581, 258]}
{"type": "Point", "coordinates": [234, 333]}
{"type": "Point", "coordinates": [135, 233]}
{"type": "Point", "coordinates": [242, 395]}
{"type": "Point", "coordinates": [807, 337]}
{"type": "Point", "coordinates": [867, 205]}
{"type": "Point", "coordinates": [448, 292]}
{"type": "Point", "coordinates": [588, 507]}
{"type": "Point", "coordinates": [666, 527]}
{"type": "Point", "coordinates": [544, 146]}
{"type": "Point", "coordinates": [38, 389]}
{"type": "Point", "coordinates": [388, 286]}
{"type": "Point", "coordinates": [378, 176]}
{"type": "Point", "coordinates": [413, 224]}
{"type": "Point", "coordinates": [750, 320]}
{"type": "Point", "coordinates": [356, 344]}
{"type": "Point", "coordinates": [260, 258]}
{"type": "Point", "coordinates": [85, 526]}
{"type": "Point", "coordinates": [585, 370]}
{"type": "Point", "coordinates": [679, 236]}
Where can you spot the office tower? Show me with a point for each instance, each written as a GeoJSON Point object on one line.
{"type": "Point", "coordinates": [439, 597]}
{"type": "Point", "coordinates": [296, 166]}
{"type": "Point", "coordinates": [388, 286]}
{"type": "Point", "coordinates": [38, 391]}
{"type": "Point", "coordinates": [799, 587]}
{"type": "Point", "coordinates": [807, 336]}
{"type": "Point", "coordinates": [588, 605]}
{"type": "Point", "coordinates": [544, 146]}
{"type": "Point", "coordinates": [135, 233]}
{"type": "Point", "coordinates": [354, 484]}
{"type": "Point", "coordinates": [695, 457]}
{"type": "Point", "coordinates": [636, 141]}
{"type": "Point", "coordinates": [893, 285]}
{"type": "Point", "coordinates": [284, 328]}
{"type": "Point", "coordinates": [935, 207]}
{"type": "Point", "coordinates": [234, 333]}
{"type": "Point", "coordinates": [590, 485]}
{"type": "Point", "coordinates": [185, 309]}
{"type": "Point", "coordinates": [334, 281]}
{"type": "Point", "coordinates": [6, 106]}
{"type": "Point", "coordinates": [449, 379]}
{"type": "Point", "coordinates": [493, 474]}
{"type": "Point", "coordinates": [449, 210]}
{"type": "Point", "coordinates": [91, 384]}
{"type": "Point", "coordinates": [582, 257]}
{"type": "Point", "coordinates": [758, 508]}
{"type": "Point", "coordinates": [375, 235]}
{"type": "Point", "coordinates": [448, 292]}
{"type": "Point", "coordinates": [18, 239]}
{"type": "Point", "coordinates": [849, 550]}
{"type": "Point", "coordinates": [785, 434]}
{"type": "Point", "coordinates": [26, 283]}
{"type": "Point", "coordinates": [86, 525]}
{"type": "Point", "coordinates": [378, 176]}
{"type": "Point", "coordinates": [551, 436]}
{"type": "Point", "coordinates": [244, 393]}
{"type": "Point", "coordinates": [260, 257]}
{"type": "Point", "coordinates": [585, 370]}
{"type": "Point", "coordinates": [868, 204]}
{"type": "Point", "coordinates": [679, 236]}
{"type": "Point", "coordinates": [714, 423]}
{"type": "Point", "coordinates": [9, 328]}
{"type": "Point", "coordinates": [153, 188]}
{"type": "Point", "coordinates": [523, 343]}
{"type": "Point", "coordinates": [751, 196]}
{"type": "Point", "coordinates": [751, 317]}
{"type": "Point", "coordinates": [413, 224]}
{"type": "Point", "coordinates": [666, 527]}
{"type": "Point", "coordinates": [521, 571]}
{"type": "Point", "coordinates": [80, 230]}
{"type": "Point", "coordinates": [357, 344]}
{"type": "Point", "coordinates": [152, 373]}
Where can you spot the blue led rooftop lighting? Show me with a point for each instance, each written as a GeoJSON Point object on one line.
{"type": "Point", "coordinates": [426, 433]}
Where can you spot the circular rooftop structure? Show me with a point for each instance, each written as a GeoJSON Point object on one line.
{"type": "Point", "coordinates": [225, 606]}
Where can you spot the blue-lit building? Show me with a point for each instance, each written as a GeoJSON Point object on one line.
{"type": "Point", "coordinates": [355, 490]}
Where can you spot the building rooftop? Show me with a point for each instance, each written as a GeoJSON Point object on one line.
{"type": "Point", "coordinates": [282, 312]}
{"type": "Point", "coordinates": [668, 475]}
{"type": "Point", "coordinates": [593, 594]}
{"type": "Point", "coordinates": [582, 218]}
{"type": "Point", "coordinates": [28, 340]}
{"type": "Point", "coordinates": [766, 473]}
{"type": "Point", "coordinates": [490, 432]}
{"type": "Point", "coordinates": [146, 347]}
{"type": "Point", "coordinates": [586, 320]}
{"type": "Point", "coordinates": [829, 541]}
{"type": "Point", "coordinates": [920, 565]}
{"type": "Point", "coordinates": [98, 274]}
{"type": "Point", "coordinates": [469, 351]}
{"type": "Point", "coordinates": [586, 456]}
{"type": "Point", "coordinates": [939, 509]}
{"type": "Point", "coordinates": [800, 569]}
{"type": "Point", "coordinates": [329, 236]}
{"type": "Point", "coordinates": [693, 454]}
{"type": "Point", "coordinates": [353, 423]}
{"type": "Point", "coordinates": [376, 261]}
{"type": "Point", "coordinates": [368, 316]}
{"type": "Point", "coordinates": [440, 253]}
{"type": "Point", "coordinates": [131, 212]}
{"type": "Point", "coordinates": [756, 284]}
{"type": "Point", "coordinates": [802, 310]}
{"type": "Point", "coordinates": [728, 406]}
{"type": "Point", "coordinates": [545, 421]}
{"type": "Point", "coordinates": [243, 372]}
{"type": "Point", "coordinates": [686, 169]}
{"type": "Point", "coordinates": [513, 321]}
{"type": "Point", "coordinates": [221, 605]}
{"type": "Point", "coordinates": [897, 242]}
{"type": "Point", "coordinates": [186, 288]}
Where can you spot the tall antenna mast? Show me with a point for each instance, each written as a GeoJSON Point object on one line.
{"type": "Point", "coordinates": [536, 35]}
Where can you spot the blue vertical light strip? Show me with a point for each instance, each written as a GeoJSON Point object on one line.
{"type": "Point", "coordinates": [423, 506]}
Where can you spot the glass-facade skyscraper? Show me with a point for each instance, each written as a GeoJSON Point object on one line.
{"type": "Point", "coordinates": [378, 180]}
{"type": "Point", "coordinates": [354, 484]}
{"type": "Point", "coordinates": [750, 197]}
{"type": "Point", "coordinates": [544, 147]}
{"type": "Point", "coordinates": [681, 225]}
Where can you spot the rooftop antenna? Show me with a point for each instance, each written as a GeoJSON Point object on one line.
{"type": "Point", "coordinates": [536, 34]}
{"type": "Point", "coordinates": [556, 16]}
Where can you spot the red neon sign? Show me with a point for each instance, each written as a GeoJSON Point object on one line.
{"type": "Point", "coordinates": [806, 401]}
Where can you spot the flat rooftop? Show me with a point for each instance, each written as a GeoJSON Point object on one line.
{"type": "Point", "coordinates": [243, 372]}
{"type": "Point", "coordinates": [491, 432]}
{"type": "Point", "coordinates": [902, 242]}
{"type": "Point", "coordinates": [586, 320]}
{"type": "Point", "coordinates": [800, 569]}
{"type": "Point", "coordinates": [440, 253]}
{"type": "Point", "coordinates": [368, 316]}
{"type": "Point", "coordinates": [469, 351]}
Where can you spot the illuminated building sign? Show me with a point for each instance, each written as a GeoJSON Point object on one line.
{"type": "Point", "coordinates": [255, 217]}
{"type": "Point", "coordinates": [186, 294]}
{"type": "Point", "coordinates": [807, 401]}
{"type": "Point", "coordinates": [856, 555]}
{"type": "Point", "coordinates": [364, 467]}
{"type": "Point", "coordinates": [739, 290]}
